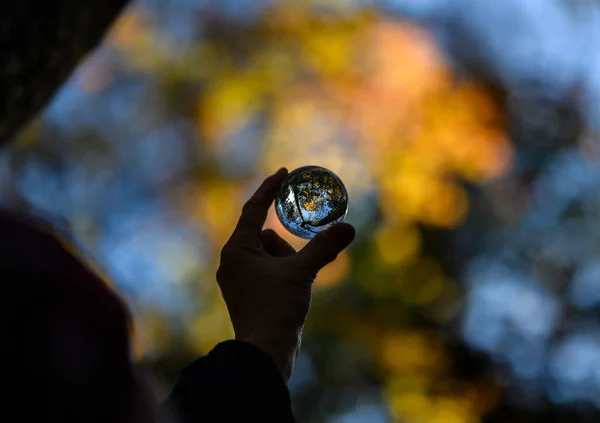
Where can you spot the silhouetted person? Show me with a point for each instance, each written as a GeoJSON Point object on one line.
{"type": "Point", "coordinates": [68, 333]}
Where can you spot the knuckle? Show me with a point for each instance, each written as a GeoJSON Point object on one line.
{"type": "Point", "coordinates": [224, 272]}
{"type": "Point", "coordinates": [228, 253]}
{"type": "Point", "coordinates": [219, 275]}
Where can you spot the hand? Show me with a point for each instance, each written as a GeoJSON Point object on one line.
{"type": "Point", "coordinates": [266, 284]}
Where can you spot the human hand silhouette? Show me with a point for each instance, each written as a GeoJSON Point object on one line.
{"type": "Point", "coordinates": [266, 284]}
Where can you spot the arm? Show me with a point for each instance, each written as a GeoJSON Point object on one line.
{"type": "Point", "coordinates": [267, 287]}
{"type": "Point", "coordinates": [235, 382]}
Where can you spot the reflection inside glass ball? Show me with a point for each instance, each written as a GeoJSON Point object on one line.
{"type": "Point", "coordinates": [310, 200]}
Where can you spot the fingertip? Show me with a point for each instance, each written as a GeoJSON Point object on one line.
{"type": "Point", "coordinates": [281, 173]}
{"type": "Point", "coordinates": [272, 183]}
{"type": "Point", "coordinates": [336, 239]}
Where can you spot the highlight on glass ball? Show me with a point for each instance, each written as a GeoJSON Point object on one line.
{"type": "Point", "coordinates": [310, 200]}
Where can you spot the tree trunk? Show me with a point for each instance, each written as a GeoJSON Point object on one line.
{"type": "Point", "coordinates": [41, 43]}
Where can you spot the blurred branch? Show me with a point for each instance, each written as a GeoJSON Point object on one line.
{"type": "Point", "coordinates": [40, 46]}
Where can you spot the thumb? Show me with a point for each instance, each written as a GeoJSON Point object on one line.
{"type": "Point", "coordinates": [325, 246]}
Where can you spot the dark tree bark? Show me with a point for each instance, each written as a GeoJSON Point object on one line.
{"type": "Point", "coordinates": [41, 43]}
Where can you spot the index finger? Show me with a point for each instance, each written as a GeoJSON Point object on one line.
{"type": "Point", "coordinates": [254, 212]}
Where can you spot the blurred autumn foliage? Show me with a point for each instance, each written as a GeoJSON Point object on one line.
{"type": "Point", "coordinates": [159, 138]}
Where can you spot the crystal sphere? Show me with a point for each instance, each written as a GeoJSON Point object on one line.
{"type": "Point", "coordinates": [310, 200]}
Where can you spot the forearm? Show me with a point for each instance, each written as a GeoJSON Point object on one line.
{"type": "Point", "coordinates": [235, 382]}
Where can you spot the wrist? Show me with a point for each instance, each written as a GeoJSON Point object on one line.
{"type": "Point", "coordinates": [283, 350]}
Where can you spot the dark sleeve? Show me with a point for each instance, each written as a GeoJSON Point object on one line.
{"type": "Point", "coordinates": [235, 382]}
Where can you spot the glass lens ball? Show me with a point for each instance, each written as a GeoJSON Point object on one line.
{"type": "Point", "coordinates": [310, 200]}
